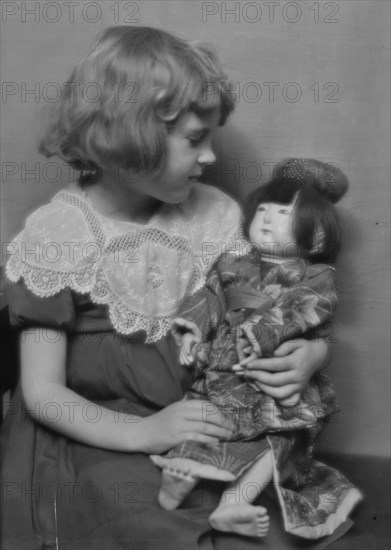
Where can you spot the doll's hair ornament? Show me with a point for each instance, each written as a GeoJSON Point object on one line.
{"type": "Point", "coordinates": [327, 177]}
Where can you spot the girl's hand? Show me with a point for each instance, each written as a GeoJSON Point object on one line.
{"type": "Point", "coordinates": [182, 421]}
{"type": "Point", "coordinates": [247, 347]}
{"type": "Point", "coordinates": [286, 375]}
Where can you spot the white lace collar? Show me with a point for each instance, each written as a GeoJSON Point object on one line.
{"type": "Point", "coordinates": [141, 272]}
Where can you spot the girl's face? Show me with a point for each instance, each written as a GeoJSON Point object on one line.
{"type": "Point", "coordinates": [189, 149]}
{"type": "Point", "coordinates": [271, 230]}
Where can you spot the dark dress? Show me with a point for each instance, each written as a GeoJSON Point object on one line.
{"type": "Point", "coordinates": [61, 494]}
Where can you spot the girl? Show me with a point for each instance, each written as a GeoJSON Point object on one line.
{"type": "Point", "coordinates": [249, 305]}
{"type": "Point", "coordinates": [96, 278]}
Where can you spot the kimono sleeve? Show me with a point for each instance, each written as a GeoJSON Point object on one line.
{"type": "Point", "coordinates": [205, 308]}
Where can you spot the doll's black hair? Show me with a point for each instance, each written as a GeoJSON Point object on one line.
{"type": "Point", "coordinates": [314, 215]}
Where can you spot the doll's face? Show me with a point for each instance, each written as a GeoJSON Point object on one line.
{"type": "Point", "coordinates": [271, 229]}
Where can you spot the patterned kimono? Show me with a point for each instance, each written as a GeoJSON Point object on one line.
{"type": "Point", "coordinates": [280, 302]}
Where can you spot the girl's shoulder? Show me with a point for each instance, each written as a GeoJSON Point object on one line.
{"type": "Point", "coordinates": [60, 238]}
{"type": "Point", "coordinates": [204, 199]}
{"type": "Point", "coordinates": [211, 206]}
{"type": "Point", "coordinates": [214, 221]}
{"type": "Point", "coordinates": [65, 209]}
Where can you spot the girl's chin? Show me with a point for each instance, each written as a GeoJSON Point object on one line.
{"type": "Point", "coordinates": [178, 196]}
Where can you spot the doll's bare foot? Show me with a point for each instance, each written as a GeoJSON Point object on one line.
{"type": "Point", "coordinates": [244, 519]}
{"type": "Point", "coordinates": [176, 485]}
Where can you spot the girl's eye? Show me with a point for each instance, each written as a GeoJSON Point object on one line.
{"type": "Point", "coordinates": [284, 211]}
{"type": "Point", "coordinates": [196, 140]}
{"type": "Point", "coordinates": [261, 208]}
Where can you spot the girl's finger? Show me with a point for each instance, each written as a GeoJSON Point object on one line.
{"type": "Point", "coordinates": [288, 347]}
{"type": "Point", "coordinates": [201, 438]}
{"type": "Point", "coordinates": [248, 360]}
{"type": "Point", "coordinates": [290, 401]}
{"type": "Point", "coordinates": [238, 369]}
{"type": "Point", "coordinates": [208, 415]}
{"type": "Point", "coordinates": [271, 364]}
{"type": "Point", "coordinates": [212, 430]}
{"type": "Point", "coordinates": [242, 349]}
{"type": "Point", "coordinates": [274, 380]}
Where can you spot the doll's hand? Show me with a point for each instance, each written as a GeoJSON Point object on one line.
{"type": "Point", "coordinates": [186, 335]}
{"type": "Point", "coordinates": [285, 375]}
{"type": "Point", "coordinates": [247, 347]}
{"type": "Point", "coordinates": [187, 353]}
{"type": "Point", "coordinates": [180, 326]}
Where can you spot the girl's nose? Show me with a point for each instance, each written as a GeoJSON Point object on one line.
{"type": "Point", "coordinates": [267, 217]}
{"type": "Point", "coordinates": [207, 156]}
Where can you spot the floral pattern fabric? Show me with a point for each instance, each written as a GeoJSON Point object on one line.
{"type": "Point", "coordinates": [293, 298]}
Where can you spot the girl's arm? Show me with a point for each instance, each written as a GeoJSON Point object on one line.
{"type": "Point", "coordinates": [43, 378]}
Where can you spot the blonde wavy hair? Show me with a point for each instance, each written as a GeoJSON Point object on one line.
{"type": "Point", "coordinates": [122, 97]}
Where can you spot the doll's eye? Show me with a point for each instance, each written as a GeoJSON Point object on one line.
{"type": "Point", "coordinates": [284, 211]}
{"type": "Point", "coordinates": [261, 208]}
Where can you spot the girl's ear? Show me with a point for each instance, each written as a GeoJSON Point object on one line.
{"type": "Point", "coordinates": [318, 244]}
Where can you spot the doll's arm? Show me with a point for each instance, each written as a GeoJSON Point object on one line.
{"type": "Point", "coordinates": [202, 312]}
{"type": "Point", "coordinates": [186, 334]}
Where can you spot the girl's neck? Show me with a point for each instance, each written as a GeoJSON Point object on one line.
{"type": "Point", "coordinates": [116, 200]}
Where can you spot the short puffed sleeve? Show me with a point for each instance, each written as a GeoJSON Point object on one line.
{"type": "Point", "coordinates": [28, 310]}
{"type": "Point", "coordinates": [46, 265]}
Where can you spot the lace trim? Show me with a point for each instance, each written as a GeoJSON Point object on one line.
{"type": "Point", "coordinates": [103, 280]}
{"type": "Point", "coordinates": [47, 282]}
{"type": "Point", "coordinates": [93, 279]}
{"type": "Point", "coordinates": [89, 215]}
